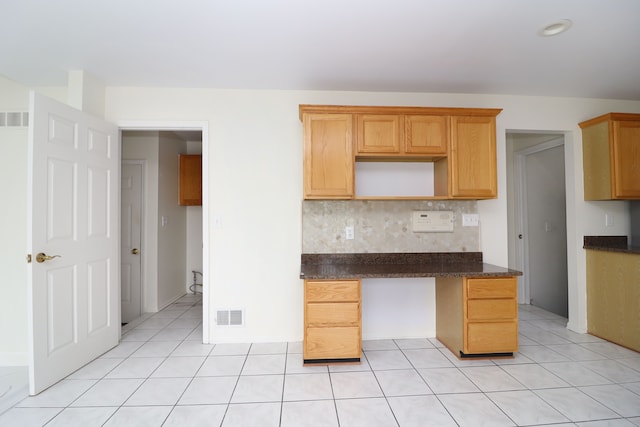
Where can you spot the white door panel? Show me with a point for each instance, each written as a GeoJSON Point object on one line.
{"type": "Point", "coordinates": [73, 212]}
{"type": "Point", "coordinates": [131, 221]}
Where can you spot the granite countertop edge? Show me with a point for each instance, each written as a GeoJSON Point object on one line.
{"type": "Point", "coordinates": [610, 244]}
{"type": "Point", "coordinates": [399, 265]}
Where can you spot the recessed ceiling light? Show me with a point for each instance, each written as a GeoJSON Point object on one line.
{"type": "Point", "coordinates": [555, 28]}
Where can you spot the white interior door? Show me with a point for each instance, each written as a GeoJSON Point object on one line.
{"type": "Point", "coordinates": [131, 219]}
{"type": "Point", "coordinates": [73, 214]}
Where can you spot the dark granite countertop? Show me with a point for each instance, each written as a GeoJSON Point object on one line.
{"type": "Point", "coordinates": [610, 244]}
{"type": "Point", "coordinates": [400, 265]}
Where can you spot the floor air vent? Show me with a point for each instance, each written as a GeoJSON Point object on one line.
{"type": "Point", "coordinates": [230, 317]}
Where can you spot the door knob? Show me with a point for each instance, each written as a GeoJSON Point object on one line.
{"type": "Point", "coordinates": [134, 251]}
{"type": "Point", "coordinates": [42, 257]}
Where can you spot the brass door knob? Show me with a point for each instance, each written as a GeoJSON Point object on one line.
{"type": "Point", "coordinates": [42, 257]}
{"type": "Point", "coordinates": [134, 251]}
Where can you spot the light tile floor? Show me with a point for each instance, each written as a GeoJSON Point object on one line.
{"type": "Point", "coordinates": [160, 375]}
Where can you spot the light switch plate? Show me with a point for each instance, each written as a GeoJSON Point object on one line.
{"type": "Point", "coordinates": [432, 221]}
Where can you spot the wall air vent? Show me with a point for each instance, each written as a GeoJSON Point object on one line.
{"type": "Point", "coordinates": [230, 317]}
{"type": "Point", "coordinates": [14, 119]}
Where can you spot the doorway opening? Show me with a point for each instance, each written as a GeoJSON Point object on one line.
{"type": "Point", "coordinates": [537, 228]}
{"type": "Point", "coordinates": [172, 240]}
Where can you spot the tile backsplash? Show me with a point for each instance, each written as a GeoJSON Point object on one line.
{"type": "Point", "coordinates": [383, 226]}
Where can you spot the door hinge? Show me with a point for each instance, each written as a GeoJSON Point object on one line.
{"type": "Point", "coordinates": [28, 258]}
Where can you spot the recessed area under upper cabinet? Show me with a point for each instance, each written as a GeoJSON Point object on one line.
{"type": "Point", "coordinates": [611, 157]}
{"type": "Point", "coordinates": [459, 142]}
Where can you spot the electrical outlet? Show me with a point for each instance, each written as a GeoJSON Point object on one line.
{"type": "Point", "coordinates": [348, 232]}
{"type": "Point", "coordinates": [470, 220]}
{"type": "Point", "coordinates": [608, 220]}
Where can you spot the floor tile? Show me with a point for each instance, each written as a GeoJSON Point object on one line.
{"type": "Point", "coordinates": [613, 370]}
{"type": "Point", "coordinates": [221, 365]}
{"type": "Point", "coordinates": [155, 323]}
{"type": "Point", "coordinates": [196, 416]}
{"type": "Point", "coordinates": [365, 413]}
{"type": "Point", "coordinates": [295, 365]}
{"type": "Point", "coordinates": [96, 369]}
{"type": "Point", "coordinates": [264, 364]}
{"type": "Point", "coordinates": [209, 391]}
{"type": "Point", "coordinates": [184, 323]}
{"type": "Point", "coordinates": [156, 349]}
{"type": "Point", "coordinates": [447, 380]}
{"type": "Point", "coordinates": [526, 408]}
{"type": "Point", "coordinates": [352, 367]}
{"type": "Point", "coordinates": [427, 358]}
{"type": "Point", "coordinates": [144, 416]}
{"type": "Point", "coordinates": [409, 343]}
{"type": "Point", "coordinates": [402, 383]}
{"type": "Point", "coordinates": [542, 354]}
{"type": "Point", "coordinates": [136, 368]}
{"type": "Point", "coordinates": [139, 335]}
{"type": "Point", "coordinates": [158, 391]}
{"type": "Point", "coordinates": [420, 411]}
{"type": "Point", "coordinates": [615, 397]}
{"type": "Point", "coordinates": [379, 345]}
{"type": "Point", "coordinates": [173, 367]}
{"type": "Point", "coordinates": [534, 376]}
{"type": "Point", "coordinates": [82, 417]}
{"type": "Point", "coordinates": [124, 349]}
{"type": "Point", "coordinates": [610, 350]}
{"type": "Point", "coordinates": [575, 405]}
{"type": "Point", "coordinates": [575, 374]}
{"type": "Point", "coordinates": [268, 348]}
{"type": "Point", "coordinates": [109, 393]}
{"type": "Point", "coordinates": [171, 335]}
{"type": "Point", "coordinates": [230, 349]}
{"type": "Point", "coordinates": [258, 388]}
{"type": "Point", "coordinates": [347, 385]}
{"type": "Point", "coordinates": [307, 387]}
{"type": "Point", "coordinates": [59, 395]}
{"type": "Point", "coordinates": [387, 359]}
{"type": "Point", "coordinates": [576, 352]}
{"type": "Point", "coordinates": [319, 413]}
{"type": "Point", "coordinates": [252, 415]}
{"type": "Point", "coordinates": [192, 348]}
{"type": "Point", "coordinates": [474, 409]}
{"type": "Point", "coordinates": [491, 378]}
{"type": "Point", "coordinates": [28, 417]}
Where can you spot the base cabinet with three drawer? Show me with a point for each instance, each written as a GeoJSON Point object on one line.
{"type": "Point", "coordinates": [332, 321]}
{"type": "Point", "coordinates": [477, 316]}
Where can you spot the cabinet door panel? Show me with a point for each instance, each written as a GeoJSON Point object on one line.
{"type": "Point", "coordinates": [190, 180]}
{"type": "Point", "coordinates": [379, 133]}
{"type": "Point", "coordinates": [328, 156]}
{"type": "Point", "coordinates": [332, 343]}
{"type": "Point", "coordinates": [426, 135]}
{"type": "Point", "coordinates": [492, 309]}
{"type": "Point", "coordinates": [473, 157]}
{"type": "Point", "coordinates": [319, 291]}
{"type": "Point", "coordinates": [626, 159]}
{"type": "Point", "coordinates": [333, 314]}
{"type": "Point", "coordinates": [496, 337]}
{"type": "Point", "coordinates": [492, 288]}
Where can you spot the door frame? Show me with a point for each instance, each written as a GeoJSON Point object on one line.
{"type": "Point", "coordinates": [202, 126]}
{"type": "Point", "coordinates": [143, 163]}
{"type": "Point", "coordinates": [521, 211]}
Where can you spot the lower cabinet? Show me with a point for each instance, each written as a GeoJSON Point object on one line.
{"type": "Point", "coordinates": [477, 316]}
{"type": "Point", "coordinates": [332, 321]}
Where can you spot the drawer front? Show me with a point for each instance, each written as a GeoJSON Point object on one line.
{"type": "Point", "coordinates": [332, 343]}
{"type": "Point", "coordinates": [497, 337]}
{"type": "Point", "coordinates": [333, 314]}
{"type": "Point", "coordinates": [499, 287]}
{"type": "Point", "coordinates": [492, 309]}
{"type": "Point", "coordinates": [342, 290]}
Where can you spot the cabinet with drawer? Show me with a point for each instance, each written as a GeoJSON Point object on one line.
{"type": "Point", "coordinates": [477, 316]}
{"type": "Point", "coordinates": [332, 321]}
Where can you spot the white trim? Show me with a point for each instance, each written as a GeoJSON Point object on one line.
{"type": "Point", "coordinates": [204, 127]}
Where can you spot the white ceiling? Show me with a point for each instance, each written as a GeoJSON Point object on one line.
{"type": "Point", "coordinates": [454, 46]}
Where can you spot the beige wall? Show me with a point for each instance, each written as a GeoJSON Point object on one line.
{"type": "Point", "coordinates": [255, 187]}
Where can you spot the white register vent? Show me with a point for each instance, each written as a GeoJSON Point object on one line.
{"type": "Point", "coordinates": [432, 221]}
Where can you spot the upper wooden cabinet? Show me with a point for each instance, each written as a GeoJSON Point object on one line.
{"type": "Point", "coordinates": [460, 141]}
{"type": "Point", "coordinates": [190, 180]}
{"type": "Point", "coordinates": [472, 158]}
{"type": "Point", "coordinates": [328, 156]}
{"type": "Point", "coordinates": [380, 135]}
{"type": "Point", "coordinates": [611, 157]}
